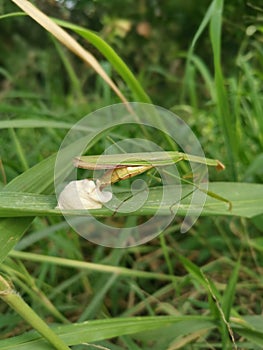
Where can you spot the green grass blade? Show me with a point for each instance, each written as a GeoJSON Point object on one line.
{"type": "Point", "coordinates": [118, 64]}
{"type": "Point", "coordinates": [229, 293]}
{"type": "Point", "coordinates": [106, 50]}
{"type": "Point", "coordinates": [255, 110]}
{"type": "Point", "coordinates": [11, 231]}
{"type": "Point", "coordinates": [227, 303]}
{"type": "Point", "coordinates": [69, 42]}
{"type": "Point", "coordinates": [38, 179]}
{"type": "Point", "coordinates": [226, 118]}
{"type": "Point", "coordinates": [33, 123]}
{"type": "Point", "coordinates": [13, 14]}
{"type": "Point", "coordinates": [252, 335]}
{"type": "Point", "coordinates": [14, 300]}
{"type": "Point", "coordinates": [197, 273]}
{"type": "Point", "coordinates": [74, 80]}
{"type": "Point", "coordinates": [190, 53]}
{"type": "Point", "coordinates": [92, 331]}
{"type": "Point", "coordinates": [246, 199]}
{"type": "Point", "coordinates": [19, 149]}
{"type": "Point", "coordinates": [88, 266]}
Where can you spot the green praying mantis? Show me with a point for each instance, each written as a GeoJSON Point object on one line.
{"type": "Point", "coordinates": [126, 165]}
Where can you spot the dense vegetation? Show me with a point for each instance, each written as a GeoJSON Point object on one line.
{"type": "Point", "coordinates": [202, 60]}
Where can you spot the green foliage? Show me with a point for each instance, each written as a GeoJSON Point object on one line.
{"type": "Point", "coordinates": [204, 61]}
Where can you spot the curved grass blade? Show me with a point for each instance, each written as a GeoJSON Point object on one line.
{"type": "Point", "coordinates": [69, 42]}
{"type": "Point", "coordinates": [115, 60]}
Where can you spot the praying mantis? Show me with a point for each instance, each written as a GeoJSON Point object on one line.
{"type": "Point", "coordinates": [126, 165]}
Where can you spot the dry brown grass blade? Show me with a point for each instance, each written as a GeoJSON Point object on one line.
{"type": "Point", "coordinates": [68, 41]}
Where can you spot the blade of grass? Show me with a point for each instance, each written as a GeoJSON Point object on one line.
{"type": "Point", "coordinates": [92, 266]}
{"type": "Point", "coordinates": [11, 231]}
{"type": "Point", "coordinates": [227, 303]}
{"type": "Point", "coordinates": [225, 329]}
{"type": "Point", "coordinates": [33, 123]}
{"type": "Point", "coordinates": [22, 279]}
{"type": "Point", "coordinates": [108, 52]}
{"type": "Point", "coordinates": [229, 294]}
{"type": "Point", "coordinates": [13, 14]}
{"type": "Point", "coordinates": [255, 99]}
{"type": "Point", "coordinates": [246, 199]}
{"type": "Point", "coordinates": [92, 331]}
{"type": "Point", "coordinates": [19, 149]}
{"type": "Point", "coordinates": [256, 337]}
{"type": "Point", "coordinates": [190, 53]}
{"type": "Point", "coordinates": [14, 300]}
{"type": "Point", "coordinates": [67, 41]}
{"type": "Point", "coordinates": [75, 82]}
{"type": "Point", "coordinates": [213, 18]}
{"type": "Point", "coordinates": [227, 119]}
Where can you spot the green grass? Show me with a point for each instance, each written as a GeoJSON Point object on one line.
{"type": "Point", "coordinates": [197, 290]}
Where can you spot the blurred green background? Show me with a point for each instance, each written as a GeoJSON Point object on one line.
{"type": "Point", "coordinates": [219, 95]}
